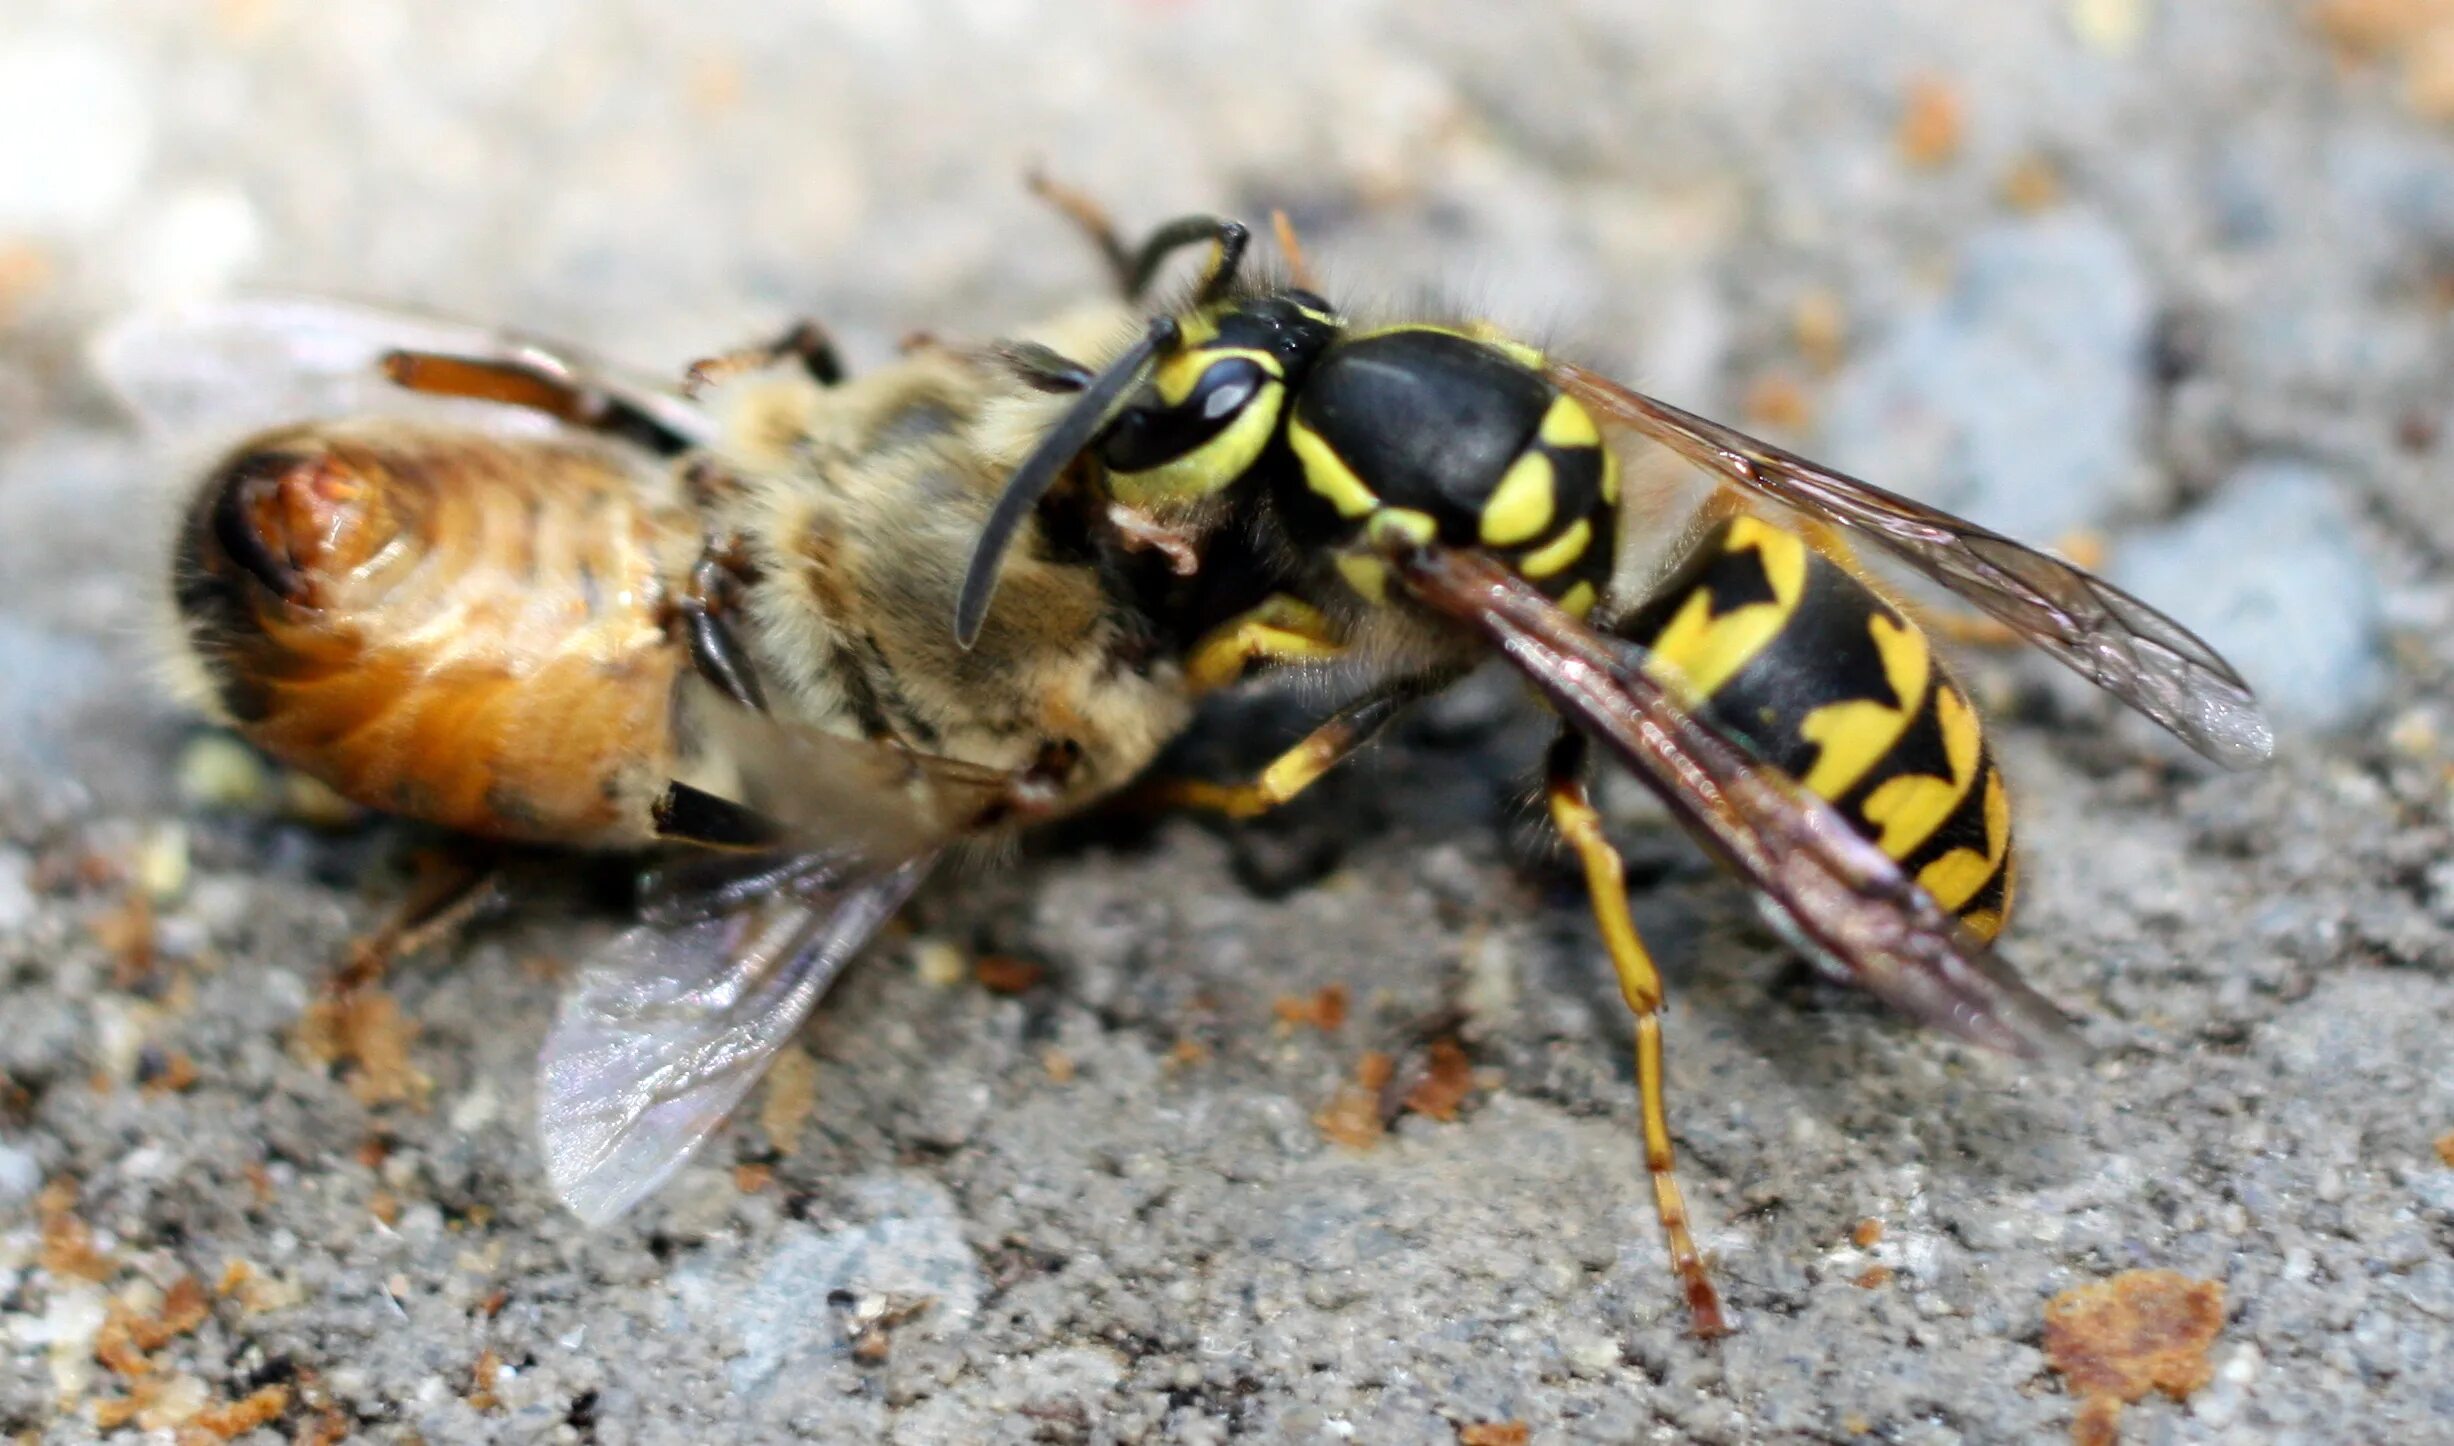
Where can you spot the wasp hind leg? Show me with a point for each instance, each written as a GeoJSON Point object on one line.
{"type": "Point", "coordinates": [1640, 983]}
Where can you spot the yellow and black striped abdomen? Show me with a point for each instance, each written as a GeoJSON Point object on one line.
{"type": "Point", "coordinates": [1788, 651]}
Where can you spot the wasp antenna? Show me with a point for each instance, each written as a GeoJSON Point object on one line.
{"type": "Point", "coordinates": [1090, 413]}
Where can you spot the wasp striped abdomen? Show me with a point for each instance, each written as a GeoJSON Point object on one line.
{"type": "Point", "coordinates": [1788, 651]}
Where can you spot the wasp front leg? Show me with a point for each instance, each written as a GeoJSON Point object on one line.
{"type": "Point", "coordinates": [1640, 983]}
{"type": "Point", "coordinates": [1338, 738]}
{"type": "Point", "coordinates": [1134, 267]}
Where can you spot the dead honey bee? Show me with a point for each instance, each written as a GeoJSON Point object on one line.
{"type": "Point", "coordinates": [812, 631]}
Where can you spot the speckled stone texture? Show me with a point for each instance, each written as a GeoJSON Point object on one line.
{"type": "Point", "coordinates": [2168, 277]}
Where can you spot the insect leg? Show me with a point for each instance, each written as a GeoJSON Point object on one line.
{"type": "Point", "coordinates": [452, 892]}
{"type": "Point", "coordinates": [1640, 983]}
{"type": "Point", "coordinates": [537, 387]}
{"type": "Point", "coordinates": [1355, 724]}
{"type": "Point", "coordinates": [691, 815]}
{"type": "Point", "coordinates": [704, 610]}
{"type": "Point", "coordinates": [1134, 267]}
{"type": "Point", "coordinates": [805, 342]}
{"type": "Point", "coordinates": [1281, 629]}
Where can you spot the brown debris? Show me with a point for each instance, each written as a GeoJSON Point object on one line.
{"type": "Point", "coordinates": [328, 1427]}
{"type": "Point", "coordinates": [1058, 1064]}
{"type": "Point", "coordinates": [2032, 184]}
{"type": "Point", "coordinates": [1495, 1433]}
{"type": "Point", "coordinates": [177, 1075]}
{"type": "Point", "coordinates": [1873, 1277]}
{"type": "Point", "coordinates": [1352, 1118]}
{"type": "Point", "coordinates": [482, 1377]}
{"type": "Point", "coordinates": [1187, 1052]}
{"type": "Point", "coordinates": [1324, 1009]}
{"type": "Point", "coordinates": [224, 1423]}
{"type": "Point", "coordinates": [792, 1097]}
{"type": "Point", "coordinates": [1005, 974]}
{"type": "Point", "coordinates": [1445, 1085]}
{"type": "Point", "coordinates": [2445, 1147]}
{"type": "Point", "coordinates": [365, 1031]}
{"type": "Point", "coordinates": [68, 1242]}
{"type": "Point", "coordinates": [126, 933]}
{"type": "Point", "coordinates": [1932, 124]}
{"type": "Point", "coordinates": [750, 1179]}
{"type": "Point", "coordinates": [2115, 1340]}
{"type": "Point", "coordinates": [2414, 37]}
{"type": "Point", "coordinates": [1868, 1234]}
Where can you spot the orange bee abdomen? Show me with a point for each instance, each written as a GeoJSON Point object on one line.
{"type": "Point", "coordinates": [446, 624]}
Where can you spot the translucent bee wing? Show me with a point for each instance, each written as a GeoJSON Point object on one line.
{"type": "Point", "coordinates": [671, 1024]}
{"type": "Point", "coordinates": [211, 370]}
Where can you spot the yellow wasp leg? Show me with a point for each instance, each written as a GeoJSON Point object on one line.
{"type": "Point", "coordinates": [1280, 630]}
{"type": "Point", "coordinates": [1356, 723]}
{"type": "Point", "coordinates": [1641, 985]}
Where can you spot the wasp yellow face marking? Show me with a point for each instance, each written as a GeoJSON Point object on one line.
{"type": "Point", "coordinates": [1366, 574]}
{"type": "Point", "coordinates": [1852, 736]}
{"type": "Point", "coordinates": [1327, 474]}
{"type": "Point", "coordinates": [1568, 424]}
{"type": "Point", "coordinates": [1955, 878]}
{"type": "Point", "coordinates": [1519, 509]}
{"type": "Point", "coordinates": [1393, 527]}
{"type": "Point", "coordinates": [1210, 467]}
{"type": "Point", "coordinates": [1555, 556]}
{"type": "Point", "coordinates": [1907, 810]}
{"type": "Point", "coordinates": [1702, 648]}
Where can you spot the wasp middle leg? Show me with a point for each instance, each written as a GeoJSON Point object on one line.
{"type": "Point", "coordinates": [1640, 983]}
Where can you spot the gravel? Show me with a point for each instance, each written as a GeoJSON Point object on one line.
{"type": "Point", "coordinates": [2171, 277]}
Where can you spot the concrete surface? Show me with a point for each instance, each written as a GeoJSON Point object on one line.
{"type": "Point", "coordinates": [2177, 274]}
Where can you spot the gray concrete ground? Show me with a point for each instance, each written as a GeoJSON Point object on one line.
{"type": "Point", "coordinates": [2174, 274]}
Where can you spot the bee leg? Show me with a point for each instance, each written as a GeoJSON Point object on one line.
{"type": "Point", "coordinates": [452, 892]}
{"type": "Point", "coordinates": [705, 612]}
{"type": "Point", "coordinates": [805, 342]}
{"type": "Point", "coordinates": [1640, 983]}
{"type": "Point", "coordinates": [1043, 368]}
{"type": "Point", "coordinates": [1338, 738]}
{"type": "Point", "coordinates": [537, 388]}
{"type": "Point", "coordinates": [1281, 629]}
{"type": "Point", "coordinates": [690, 815]}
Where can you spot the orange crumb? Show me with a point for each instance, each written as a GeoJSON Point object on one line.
{"type": "Point", "coordinates": [330, 1427]}
{"type": "Point", "coordinates": [1819, 328]}
{"type": "Point", "coordinates": [1931, 124]}
{"type": "Point", "coordinates": [223, 1423]}
{"type": "Point", "coordinates": [482, 1377]}
{"type": "Point", "coordinates": [494, 1302]}
{"type": "Point", "coordinates": [750, 1179]}
{"type": "Point", "coordinates": [792, 1097]}
{"type": "Point", "coordinates": [68, 1242]}
{"type": "Point", "coordinates": [177, 1075]}
{"type": "Point", "coordinates": [1868, 1234]}
{"type": "Point", "coordinates": [1353, 1118]}
{"type": "Point", "coordinates": [384, 1206]}
{"type": "Point", "coordinates": [1058, 1064]}
{"type": "Point", "coordinates": [234, 1278]}
{"type": "Point", "coordinates": [365, 1031]}
{"type": "Point", "coordinates": [1445, 1085]}
{"type": "Point", "coordinates": [2445, 1147]}
{"type": "Point", "coordinates": [1495, 1433]}
{"type": "Point", "coordinates": [1005, 974]}
{"type": "Point", "coordinates": [126, 933]}
{"type": "Point", "coordinates": [2115, 1340]}
{"type": "Point", "coordinates": [373, 1151]}
{"type": "Point", "coordinates": [2032, 184]}
{"type": "Point", "coordinates": [1187, 1052]}
{"type": "Point", "coordinates": [1873, 1277]}
{"type": "Point", "coordinates": [1776, 400]}
{"type": "Point", "coordinates": [259, 1181]}
{"type": "Point", "coordinates": [1324, 1009]}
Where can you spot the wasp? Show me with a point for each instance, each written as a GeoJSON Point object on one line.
{"type": "Point", "coordinates": [1429, 494]}
{"type": "Point", "coordinates": [808, 632]}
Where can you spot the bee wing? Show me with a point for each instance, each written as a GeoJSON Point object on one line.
{"type": "Point", "coordinates": [2117, 642]}
{"type": "Point", "coordinates": [211, 370]}
{"type": "Point", "coordinates": [668, 1026]}
{"type": "Point", "coordinates": [1824, 885]}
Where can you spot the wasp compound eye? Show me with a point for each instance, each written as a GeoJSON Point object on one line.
{"type": "Point", "coordinates": [1160, 428]}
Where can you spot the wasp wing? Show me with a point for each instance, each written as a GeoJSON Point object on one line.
{"type": "Point", "coordinates": [2114, 640]}
{"type": "Point", "coordinates": [672, 1023]}
{"type": "Point", "coordinates": [209, 371]}
{"type": "Point", "coordinates": [1824, 885]}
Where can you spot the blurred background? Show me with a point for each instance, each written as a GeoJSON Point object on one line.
{"type": "Point", "coordinates": [2163, 284]}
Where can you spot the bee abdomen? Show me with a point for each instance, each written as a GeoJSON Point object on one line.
{"type": "Point", "coordinates": [1786, 650]}
{"type": "Point", "coordinates": [447, 625]}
